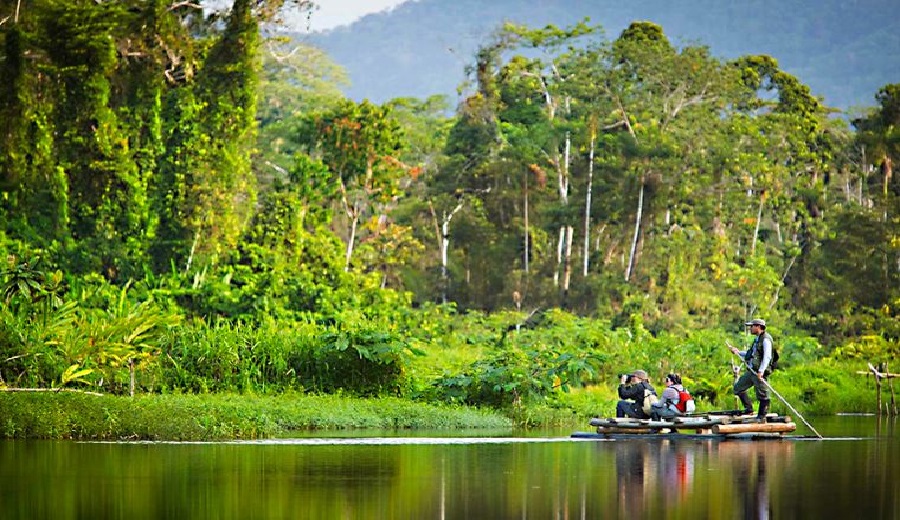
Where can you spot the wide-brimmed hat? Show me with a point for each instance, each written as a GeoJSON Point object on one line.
{"type": "Point", "coordinates": [639, 373]}
{"type": "Point", "coordinates": [757, 321]}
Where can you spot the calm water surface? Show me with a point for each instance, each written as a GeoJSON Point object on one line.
{"type": "Point", "coordinates": [852, 474]}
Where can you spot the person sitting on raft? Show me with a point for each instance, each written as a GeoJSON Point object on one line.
{"type": "Point", "coordinates": [637, 395]}
{"type": "Point", "coordinates": [675, 400]}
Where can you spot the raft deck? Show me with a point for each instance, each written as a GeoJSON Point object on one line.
{"type": "Point", "coordinates": [709, 425]}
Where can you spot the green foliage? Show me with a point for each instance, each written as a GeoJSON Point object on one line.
{"type": "Point", "coordinates": [69, 415]}
{"type": "Point", "coordinates": [868, 349]}
{"type": "Point", "coordinates": [360, 145]}
{"type": "Point", "coordinates": [74, 374]}
{"type": "Point", "coordinates": [68, 339]}
{"type": "Point", "coordinates": [351, 356]}
{"type": "Point", "coordinates": [523, 368]}
{"type": "Point", "coordinates": [225, 357]}
{"type": "Point", "coordinates": [26, 286]}
{"type": "Point", "coordinates": [138, 244]}
{"type": "Point", "coordinates": [356, 356]}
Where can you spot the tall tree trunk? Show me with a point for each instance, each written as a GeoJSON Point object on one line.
{"type": "Point", "coordinates": [637, 231]}
{"type": "Point", "coordinates": [350, 240]}
{"type": "Point", "coordinates": [567, 269]}
{"type": "Point", "coordinates": [560, 247]}
{"type": "Point", "coordinates": [587, 207]}
{"type": "Point", "coordinates": [443, 236]}
{"type": "Point", "coordinates": [563, 176]}
{"type": "Point", "coordinates": [563, 173]}
{"type": "Point", "coordinates": [862, 175]}
{"type": "Point", "coordinates": [762, 200]}
{"type": "Point", "coordinates": [445, 248]}
{"type": "Point", "coordinates": [353, 213]}
{"type": "Point", "coordinates": [527, 230]}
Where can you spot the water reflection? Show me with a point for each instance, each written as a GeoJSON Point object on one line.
{"type": "Point", "coordinates": [753, 468]}
{"type": "Point", "coordinates": [647, 470]}
{"type": "Point", "coordinates": [467, 477]}
{"type": "Point", "coordinates": [659, 476]}
{"type": "Point", "coordinates": [885, 426]}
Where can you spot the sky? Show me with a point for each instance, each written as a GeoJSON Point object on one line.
{"type": "Point", "coordinates": [332, 13]}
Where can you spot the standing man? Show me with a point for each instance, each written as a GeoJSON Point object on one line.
{"type": "Point", "coordinates": [756, 360]}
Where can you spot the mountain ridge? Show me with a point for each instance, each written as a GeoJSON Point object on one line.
{"type": "Point", "coordinates": [844, 50]}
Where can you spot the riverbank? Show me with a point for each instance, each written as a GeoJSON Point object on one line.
{"type": "Point", "coordinates": [222, 416]}
{"type": "Point", "coordinates": [71, 415]}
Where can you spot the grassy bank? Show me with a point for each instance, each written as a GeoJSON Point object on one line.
{"type": "Point", "coordinates": [69, 415]}
{"type": "Point", "coordinates": [814, 390]}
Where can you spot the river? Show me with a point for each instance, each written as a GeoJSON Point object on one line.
{"type": "Point", "coordinates": [853, 473]}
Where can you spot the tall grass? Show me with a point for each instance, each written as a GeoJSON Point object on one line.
{"type": "Point", "coordinates": [69, 415]}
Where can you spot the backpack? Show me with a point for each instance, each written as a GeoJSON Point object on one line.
{"type": "Point", "coordinates": [649, 400]}
{"type": "Point", "coordinates": [685, 402]}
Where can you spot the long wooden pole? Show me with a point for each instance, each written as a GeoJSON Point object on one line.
{"type": "Point", "coordinates": [791, 408]}
{"type": "Point", "coordinates": [783, 400]}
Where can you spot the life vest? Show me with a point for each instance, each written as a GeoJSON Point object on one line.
{"type": "Point", "coordinates": [754, 354]}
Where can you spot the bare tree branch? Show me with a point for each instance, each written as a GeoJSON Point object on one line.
{"type": "Point", "coordinates": [185, 3]}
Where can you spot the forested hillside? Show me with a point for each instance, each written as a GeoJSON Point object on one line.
{"type": "Point", "coordinates": [186, 195]}
{"type": "Point", "coordinates": [844, 50]}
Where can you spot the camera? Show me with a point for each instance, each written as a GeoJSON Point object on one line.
{"type": "Point", "coordinates": [625, 377]}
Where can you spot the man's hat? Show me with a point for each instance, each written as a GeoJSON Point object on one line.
{"type": "Point", "coordinates": [639, 373]}
{"type": "Point", "coordinates": [761, 323]}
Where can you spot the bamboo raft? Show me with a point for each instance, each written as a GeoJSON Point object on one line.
{"type": "Point", "coordinates": [709, 425]}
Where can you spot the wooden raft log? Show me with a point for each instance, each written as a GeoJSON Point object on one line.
{"type": "Point", "coordinates": [686, 423]}
{"type": "Point", "coordinates": [754, 428]}
{"type": "Point", "coordinates": [634, 431]}
{"type": "Point", "coordinates": [624, 422]}
{"type": "Point", "coordinates": [690, 423]}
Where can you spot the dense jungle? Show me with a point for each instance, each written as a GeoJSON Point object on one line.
{"type": "Point", "coordinates": [192, 214]}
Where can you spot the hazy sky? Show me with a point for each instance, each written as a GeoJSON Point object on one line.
{"type": "Point", "coordinates": [332, 13]}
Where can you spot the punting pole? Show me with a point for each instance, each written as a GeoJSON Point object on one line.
{"type": "Point", "coordinates": [792, 408]}
{"type": "Point", "coordinates": [783, 400]}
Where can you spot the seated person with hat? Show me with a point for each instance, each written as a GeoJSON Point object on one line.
{"type": "Point", "coordinates": [637, 395]}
